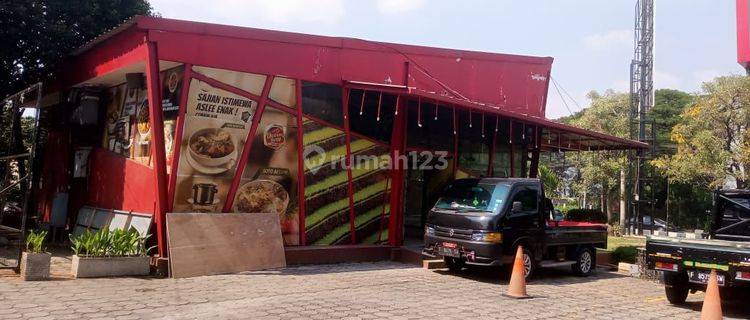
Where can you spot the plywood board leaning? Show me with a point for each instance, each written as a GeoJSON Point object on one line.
{"type": "Point", "coordinates": [218, 243]}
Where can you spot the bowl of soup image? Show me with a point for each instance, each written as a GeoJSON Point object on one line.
{"type": "Point", "coordinates": [212, 147]}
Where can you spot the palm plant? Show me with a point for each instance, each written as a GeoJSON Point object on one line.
{"type": "Point", "coordinates": [106, 243]}
{"type": "Point", "coordinates": [35, 240]}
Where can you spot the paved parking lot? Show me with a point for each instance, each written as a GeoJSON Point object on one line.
{"type": "Point", "coordinates": [355, 291]}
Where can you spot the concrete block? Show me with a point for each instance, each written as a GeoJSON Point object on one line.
{"type": "Point", "coordinates": [628, 269]}
{"type": "Point", "coordinates": [35, 266]}
{"type": "Point", "coordinates": [95, 267]}
{"type": "Point", "coordinates": [433, 264]}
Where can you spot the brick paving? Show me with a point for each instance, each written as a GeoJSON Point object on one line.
{"type": "Point", "coordinates": [383, 290]}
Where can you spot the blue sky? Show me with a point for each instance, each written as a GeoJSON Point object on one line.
{"type": "Point", "coordinates": [591, 40]}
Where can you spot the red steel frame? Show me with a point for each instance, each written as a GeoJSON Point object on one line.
{"type": "Point", "coordinates": [157, 146]}
{"type": "Point", "coordinates": [248, 144]}
{"type": "Point", "coordinates": [180, 124]}
{"type": "Point", "coordinates": [348, 160]}
{"type": "Point", "coordinates": [300, 163]}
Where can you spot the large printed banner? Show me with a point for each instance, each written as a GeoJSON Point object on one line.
{"type": "Point", "coordinates": [216, 125]}
{"type": "Point", "coordinates": [269, 183]}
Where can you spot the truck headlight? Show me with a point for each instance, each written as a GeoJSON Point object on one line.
{"type": "Point", "coordinates": [430, 231]}
{"type": "Point", "coordinates": [494, 237]}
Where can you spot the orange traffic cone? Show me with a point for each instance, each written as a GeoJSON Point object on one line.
{"type": "Point", "coordinates": [517, 286]}
{"type": "Point", "coordinates": [712, 302]}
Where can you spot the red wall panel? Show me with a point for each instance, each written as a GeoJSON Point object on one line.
{"type": "Point", "coordinates": [518, 83]}
{"type": "Point", "coordinates": [118, 183]}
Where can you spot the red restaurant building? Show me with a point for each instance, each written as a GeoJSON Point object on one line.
{"type": "Point", "coordinates": [178, 116]}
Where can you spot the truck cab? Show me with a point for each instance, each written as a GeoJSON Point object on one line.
{"type": "Point", "coordinates": [483, 221]}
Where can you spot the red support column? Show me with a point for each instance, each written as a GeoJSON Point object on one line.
{"type": "Point", "coordinates": [512, 152]}
{"type": "Point", "coordinates": [300, 163]}
{"type": "Point", "coordinates": [157, 146]}
{"type": "Point", "coordinates": [398, 149]}
{"type": "Point", "coordinates": [348, 162]}
{"type": "Point", "coordinates": [248, 145]}
{"type": "Point", "coordinates": [179, 128]}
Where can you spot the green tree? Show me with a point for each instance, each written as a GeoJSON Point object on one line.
{"type": "Point", "coordinates": [38, 34]}
{"type": "Point", "coordinates": [711, 136]}
{"type": "Point", "coordinates": [550, 179]}
{"type": "Point", "coordinates": [599, 172]}
{"type": "Point", "coordinates": [668, 106]}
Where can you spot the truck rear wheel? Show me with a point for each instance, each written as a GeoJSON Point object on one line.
{"type": "Point", "coordinates": [453, 264]}
{"type": "Point", "coordinates": [584, 265]}
{"type": "Point", "coordinates": [676, 287]}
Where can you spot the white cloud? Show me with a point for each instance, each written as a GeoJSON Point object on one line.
{"type": "Point", "coordinates": [705, 76]}
{"type": "Point", "coordinates": [248, 12]}
{"type": "Point", "coordinates": [399, 6]}
{"type": "Point", "coordinates": [621, 85]}
{"type": "Point", "coordinates": [666, 80]}
{"type": "Point", "coordinates": [613, 38]}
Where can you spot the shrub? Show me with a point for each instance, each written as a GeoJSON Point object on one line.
{"type": "Point", "coordinates": [105, 243]}
{"type": "Point", "coordinates": [626, 254]}
{"type": "Point", "coordinates": [586, 215]}
{"type": "Point", "coordinates": [35, 240]}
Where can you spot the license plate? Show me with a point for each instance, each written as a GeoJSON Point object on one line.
{"type": "Point", "coordinates": [698, 276]}
{"type": "Point", "coordinates": [449, 252]}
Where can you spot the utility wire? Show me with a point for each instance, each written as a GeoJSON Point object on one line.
{"type": "Point", "coordinates": [568, 94]}
{"type": "Point", "coordinates": [557, 88]}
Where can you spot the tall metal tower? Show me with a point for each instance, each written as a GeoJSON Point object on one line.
{"type": "Point", "coordinates": [641, 100]}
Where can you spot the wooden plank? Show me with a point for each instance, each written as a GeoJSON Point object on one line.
{"type": "Point", "coordinates": [217, 243]}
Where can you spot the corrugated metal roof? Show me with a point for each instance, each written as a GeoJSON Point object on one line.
{"type": "Point", "coordinates": [106, 35]}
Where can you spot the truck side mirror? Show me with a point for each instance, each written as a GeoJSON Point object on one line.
{"type": "Point", "coordinates": [516, 206]}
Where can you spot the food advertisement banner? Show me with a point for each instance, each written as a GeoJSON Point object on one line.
{"type": "Point", "coordinates": [216, 125]}
{"type": "Point", "coordinates": [269, 182]}
{"type": "Point", "coordinates": [171, 91]}
{"type": "Point", "coordinates": [128, 130]}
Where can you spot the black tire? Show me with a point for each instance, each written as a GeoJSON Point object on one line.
{"type": "Point", "coordinates": [676, 287]}
{"type": "Point", "coordinates": [454, 264]}
{"type": "Point", "coordinates": [585, 262]}
{"type": "Point", "coordinates": [529, 263]}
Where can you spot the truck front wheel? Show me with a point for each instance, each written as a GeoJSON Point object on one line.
{"type": "Point", "coordinates": [676, 287]}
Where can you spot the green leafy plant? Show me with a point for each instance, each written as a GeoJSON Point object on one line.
{"type": "Point", "coordinates": [106, 243]}
{"type": "Point", "coordinates": [35, 240]}
{"type": "Point", "coordinates": [626, 254]}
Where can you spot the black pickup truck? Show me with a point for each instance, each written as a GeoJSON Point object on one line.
{"type": "Point", "coordinates": [482, 222]}
{"type": "Point", "coordinates": [686, 263]}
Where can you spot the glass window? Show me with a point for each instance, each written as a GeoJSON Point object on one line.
{"type": "Point", "coordinates": [519, 163]}
{"type": "Point", "coordinates": [501, 158]}
{"type": "Point", "coordinates": [369, 120]}
{"type": "Point", "coordinates": [529, 198]}
{"type": "Point", "coordinates": [471, 195]}
{"type": "Point", "coordinates": [473, 143]}
{"type": "Point", "coordinates": [429, 126]}
{"type": "Point", "coordinates": [327, 217]}
{"type": "Point", "coordinates": [322, 101]}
